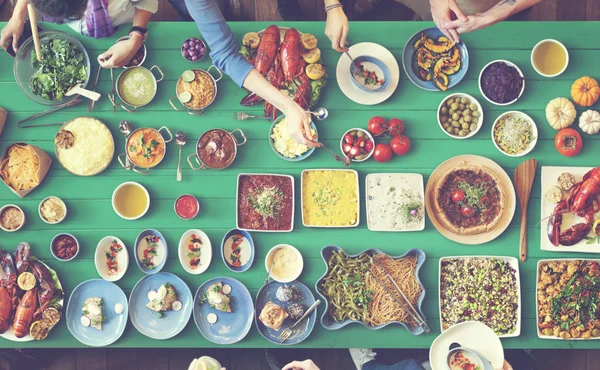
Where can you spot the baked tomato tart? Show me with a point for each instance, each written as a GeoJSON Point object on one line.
{"type": "Point", "coordinates": [469, 200]}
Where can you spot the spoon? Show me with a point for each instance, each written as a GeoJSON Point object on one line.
{"type": "Point", "coordinates": [180, 140]}
{"type": "Point", "coordinates": [78, 89]}
{"type": "Point", "coordinates": [269, 273]}
{"type": "Point", "coordinates": [338, 158]}
{"type": "Point", "coordinates": [125, 128]}
{"type": "Point", "coordinates": [321, 113]}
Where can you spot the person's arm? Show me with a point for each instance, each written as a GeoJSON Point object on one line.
{"type": "Point", "coordinates": [121, 53]}
{"type": "Point", "coordinates": [225, 55]}
{"type": "Point", "coordinates": [499, 12]}
{"type": "Point", "coordinates": [336, 27]}
{"type": "Point", "coordinates": [14, 27]}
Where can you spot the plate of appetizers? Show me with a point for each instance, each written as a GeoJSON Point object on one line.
{"type": "Point", "coordinates": [111, 258]}
{"type": "Point", "coordinates": [97, 313]}
{"type": "Point", "coordinates": [150, 251]}
{"type": "Point", "coordinates": [281, 305]}
{"type": "Point", "coordinates": [223, 310]}
{"type": "Point", "coordinates": [160, 305]}
{"type": "Point", "coordinates": [564, 190]}
{"type": "Point", "coordinates": [195, 251]}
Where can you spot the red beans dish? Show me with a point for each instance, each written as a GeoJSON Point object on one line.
{"type": "Point", "coordinates": [265, 202]}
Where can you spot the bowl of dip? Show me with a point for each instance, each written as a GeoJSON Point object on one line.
{"type": "Point", "coordinates": [376, 75]}
{"type": "Point", "coordinates": [195, 90]}
{"type": "Point", "coordinates": [131, 200]}
{"type": "Point", "coordinates": [549, 58]}
{"type": "Point", "coordinates": [64, 247]}
{"type": "Point", "coordinates": [136, 87]}
{"type": "Point", "coordinates": [287, 263]}
{"type": "Point", "coordinates": [12, 218]}
{"type": "Point", "coordinates": [237, 250]}
{"type": "Point", "coordinates": [52, 210]}
{"type": "Point", "coordinates": [187, 207]}
{"type": "Point", "coordinates": [501, 82]}
{"type": "Point", "coordinates": [216, 149]}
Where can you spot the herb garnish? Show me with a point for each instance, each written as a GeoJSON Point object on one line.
{"type": "Point", "coordinates": [266, 201]}
{"type": "Point", "coordinates": [474, 194]}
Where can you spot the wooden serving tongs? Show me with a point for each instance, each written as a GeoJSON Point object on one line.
{"type": "Point", "coordinates": [524, 175]}
{"type": "Point", "coordinates": [34, 31]}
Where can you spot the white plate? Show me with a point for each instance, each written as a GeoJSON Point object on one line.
{"type": "Point", "coordinates": [100, 259]}
{"type": "Point", "coordinates": [514, 263]}
{"type": "Point", "coordinates": [205, 252]}
{"type": "Point", "coordinates": [549, 177]}
{"type": "Point", "coordinates": [237, 197]}
{"type": "Point", "coordinates": [537, 278]}
{"type": "Point", "coordinates": [357, 198]}
{"type": "Point", "coordinates": [403, 181]}
{"type": "Point", "coordinates": [351, 91]}
{"type": "Point", "coordinates": [470, 334]}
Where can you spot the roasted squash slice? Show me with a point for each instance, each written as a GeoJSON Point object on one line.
{"type": "Point", "coordinates": [420, 42]}
{"type": "Point", "coordinates": [439, 47]}
{"type": "Point", "coordinates": [440, 81]}
{"type": "Point", "coordinates": [422, 74]}
{"type": "Point", "coordinates": [450, 69]}
{"type": "Point", "coordinates": [454, 54]}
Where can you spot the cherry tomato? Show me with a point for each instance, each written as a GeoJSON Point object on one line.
{"type": "Point", "coordinates": [347, 148]}
{"type": "Point", "coordinates": [458, 195]}
{"type": "Point", "coordinates": [369, 146]}
{"type": "Point", "coordinates": [400, 144]}
{"type": "Point", "coordinates": [467, 211]}
{"type": "Point", "coordinates": [349, 139]}
{"type": "Point", "coordinates": [396, 127]}
{"type": "Point", "coordinates": [376, 125]}
{"type": "Point", "coordinates": [383, 152]}
{"type": "Point", "coordinates": [354, 151]}
{"type": "Point", "coordinates": [568, 142]}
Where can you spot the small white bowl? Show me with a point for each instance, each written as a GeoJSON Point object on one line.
{"type": "Point", "coordinates": [510, 64]}
{"type": "Point", "coordinates": [52, 244]}
{"type": "Point", "coordinates": [100, 258]}
{"type": "Point", "coordinates": [461, 95]}
{"type": "Point", "coordinates": [205, 252]}
{"type": "Point", "coordinates": [22, 223]}
{"type": "Point", "coordinates": [543, 42]}
{"type": "Point", "coordinates": [61, 202]}
{"type": "Point", "coordinates": [533, 128]}
{"type": "Point", "coordinates": [298, 255]}
{"type": "Point", "coordinates": [367, 134]}
{"type": "Point", "coordinates": [115, 194]}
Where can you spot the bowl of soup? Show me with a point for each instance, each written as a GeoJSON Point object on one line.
{"type": "Point", "coordinates": [136, 87]}
{"type": "Point", "coordinates": [549, 58]}
{"type": "Point", "coordinates": [145, 148]}
{"type": "Point", "coordinates": [284, 262]}
{"type": "Point", "coordinates": [131, 200]}
{"type": "Point", "coordinates": [216, 149]}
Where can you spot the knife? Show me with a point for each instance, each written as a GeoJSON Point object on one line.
{"type": "Point", "coordinates": [91, 103]}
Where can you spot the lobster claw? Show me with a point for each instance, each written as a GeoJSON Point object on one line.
{"type": "Point", "coordinates": [21, 257]}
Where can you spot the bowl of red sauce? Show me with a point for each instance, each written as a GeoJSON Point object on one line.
{"type": "Point", "coordinates": [64, 247]}
{"type": "Point", "coordinates": [187, 207]}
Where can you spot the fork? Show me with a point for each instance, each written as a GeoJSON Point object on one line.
{"type": "Point", "coordinates": [240, 116]}
{"type": "Point", "coordinates": [285, 335]}
{"type": "Point", "coordinates": [356, 73]}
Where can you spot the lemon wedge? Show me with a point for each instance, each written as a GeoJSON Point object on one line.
{"type": "Point", "coordinates": [309, 41]}
{"type": "Point", "coordinates": [251, 39]}
{"type": "Point", "coordinates": [312, 56]}
{"type": "Point", "coordinates": [315, 71]}
{"type": "Point", "coordinates": [26, 281]}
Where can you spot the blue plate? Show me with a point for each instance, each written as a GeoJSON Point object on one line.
{"type": "Point", "coordinates": [295, 159]}
{"type": "Point", "coordinates": [268, 293]}
{"type": "Point", "coordinates": [112, 328]}
{"type": "Point", "coordinates": [250, 241]}
{"type": "Point", "coordinates": [409, 59]}
{"type": "Point", "coordinates": [142, 235]}
{"type": "Point", "coordinates": [329, 323]}
{"type": "Point", "coordinates": [146, 321]}
{"type": "Point", "coordinates": [384, 69]}
{"type": "Point", "coordinates": [231, 327]}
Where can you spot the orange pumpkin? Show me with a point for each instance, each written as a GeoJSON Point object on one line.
{"type": "Point", "coordinates": [585, 91]}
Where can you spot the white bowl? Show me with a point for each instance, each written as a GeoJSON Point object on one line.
{"type": "Point", "coordinates": [367, 134]}
{"type": "Point", "coordinates": [119, 188]}
{"type": "Point", "coordinates": [17, 207]}
{"type": "Point", "coordinates": [556, 42]}
{"type": "Point", "coordinates": [298, 255]}
{"type": "Point", "coordinates": [40, 210]}
{"type": "Point", "coordinates": [52, 249]}
{"type": "Point", "coordinates": [510, 64]}
{"type": "Point", "coordinates": [533, 128]}
{"type": "Point", "coordinates": [205, 252]}
{"type": "Point", "coordinates": [461, 95]}
{"type": "Point", "coordinates": [100, 258]}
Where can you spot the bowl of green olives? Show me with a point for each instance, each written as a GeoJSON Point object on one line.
{"type": "Point", "coordinates": [460, 116]}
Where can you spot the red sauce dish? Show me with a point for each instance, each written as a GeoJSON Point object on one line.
{"type": "Point", "coordinates": [187, 207]}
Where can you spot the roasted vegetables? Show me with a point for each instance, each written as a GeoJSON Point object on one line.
{"type": "Point", "coordinates": [436, 59]}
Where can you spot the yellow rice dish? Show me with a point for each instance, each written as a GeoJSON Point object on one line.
{"type": "Point", "coordinates": [330, 198]}
{"type": "Point", "coordinates": [284, 144]}
{"type": "Point", "coordinates": [85, 146]}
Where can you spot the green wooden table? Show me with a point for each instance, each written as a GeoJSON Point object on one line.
{"type": "Point", "coordinates": [91, 216]}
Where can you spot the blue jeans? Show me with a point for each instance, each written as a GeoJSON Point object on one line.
{"type": "Point", "coordinates": [181, 8]}
{"type": "Point", "coordinates": [409, 364]}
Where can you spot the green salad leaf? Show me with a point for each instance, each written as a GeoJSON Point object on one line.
{"type": "Point", "coordinates": [316, 90]}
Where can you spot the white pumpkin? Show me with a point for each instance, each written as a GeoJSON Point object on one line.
{"type": "Point", "coordinates": [589, 122]}
{"type": "Point", "coordinates": [560, 113]}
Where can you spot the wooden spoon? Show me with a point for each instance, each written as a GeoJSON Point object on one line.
{"type": "Point", "coordinates": [34, 32]}
{"type": "Point", "coordinates": [524, 175]}
{"type": "Point", "coordinates": [78, 89]}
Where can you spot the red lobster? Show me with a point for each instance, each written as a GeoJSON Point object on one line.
{"type": "Point", "coordinates": [46, 283]}
{"type": "Point", "coordinates": [290, 54]}
{"type": "Point", "coordinates": [8, 291]}
{"type": "Point", "coordinates": [275, 78]}
{"type": "Point", "coordinates": [21, 256]}
{"type": "Point", "coordinates": [582, 202]}
{"type": "Point", "coordinates": [265, 54]}
{"type": "Point", "coordinates": [25, 313]}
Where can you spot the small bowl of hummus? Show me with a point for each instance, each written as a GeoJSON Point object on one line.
{"type": "Point", "coordinates": [284, 146]}
{"type": "Point", "coordinates": [12, 218]}
{"type": "Point", "coordinates": [287, 263]}
{"type": "Point", "coordinates": [52, 210]}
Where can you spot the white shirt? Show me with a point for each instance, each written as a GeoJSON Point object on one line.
{"type": "Point", "coordinates": [119, 11]}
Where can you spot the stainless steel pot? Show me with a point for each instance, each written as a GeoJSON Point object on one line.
{"type": "Point", "coordinates": [196, 155]}
{"type": "Point", "coordinates": [196, 110]}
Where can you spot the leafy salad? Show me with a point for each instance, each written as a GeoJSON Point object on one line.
{"type": "Point", "coordinates": [61, 68]}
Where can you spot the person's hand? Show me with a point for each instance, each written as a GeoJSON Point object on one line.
{"type": "Point", "coordinates": [442, 12]}
{"type": "Point", "coordinates": [120, 53]}
{"type": "Point", "coordinates": [473, 23]}
{"type": "Point", "coordinates": [301, 365]}
{"type": "Point", "coordinates": [298, 124]}
{"type": "Point", "coordinates": [14, 30]}
{"type": "Point", "coordinates": [506, 366]}
{"type": "Point", "coordinates": [336, 28]}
